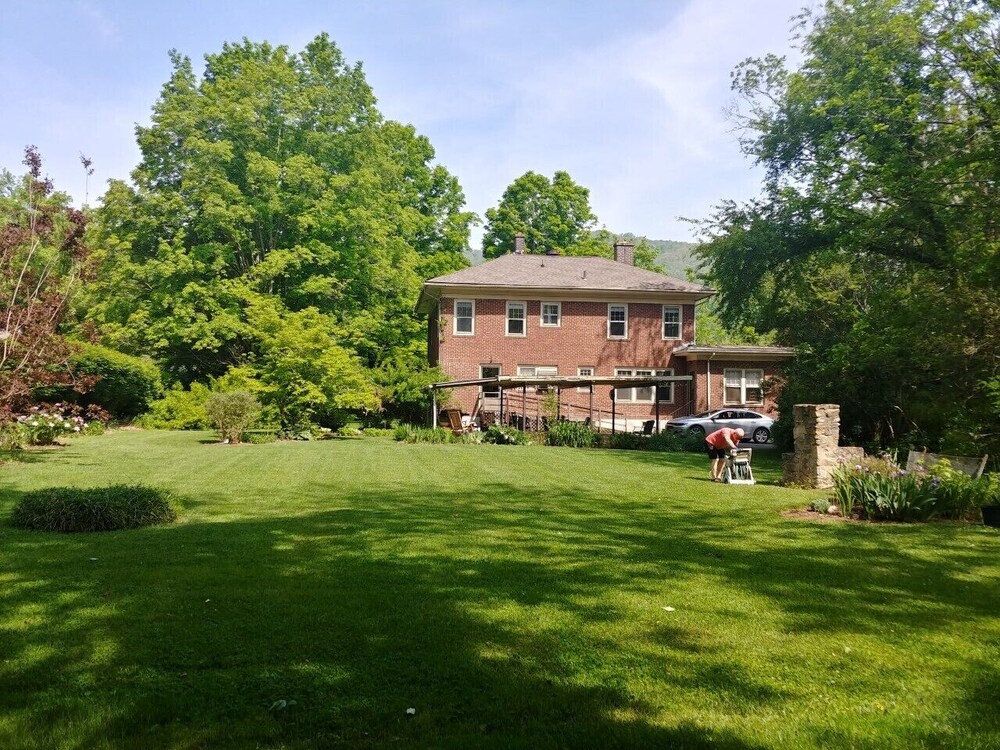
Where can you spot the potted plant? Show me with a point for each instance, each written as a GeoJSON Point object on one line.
{"type": "Point", "coordinates": [990, 504]}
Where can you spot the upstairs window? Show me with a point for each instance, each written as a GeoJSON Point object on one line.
{"type": "Point", "coordinates": [551, 314]}
{"type": "Point", "coordinates": [744, 386]}
{"type": "Point", "coordinates": [671, 321]}
{"type": "Point", "coordinates": [515, 318]}
{"type": "Point", "coordinates": [617, 321]}
{"type": "Point", "coordinates": [465, 317]}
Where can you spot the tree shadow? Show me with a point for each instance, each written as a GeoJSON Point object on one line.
{"type": "Point", "coordinates": [478, 607]}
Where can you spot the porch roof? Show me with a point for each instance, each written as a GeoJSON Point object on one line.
{"type": "Point", "coordinates": [563, 381]}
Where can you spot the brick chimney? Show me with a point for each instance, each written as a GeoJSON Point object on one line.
{"type": "Point", "coordinates": [519, 243]}
{"type": "Point", "coordinates": [625, 252]}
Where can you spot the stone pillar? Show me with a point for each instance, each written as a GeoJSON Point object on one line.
{"type": "Point", "coordinates": [817, 454]}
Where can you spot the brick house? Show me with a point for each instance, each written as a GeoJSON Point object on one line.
{"type": "Point", "coordinates": [552, 316]}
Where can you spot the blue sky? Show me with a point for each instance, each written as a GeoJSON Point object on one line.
{"type": "Point", "coordinates": [628, 97]}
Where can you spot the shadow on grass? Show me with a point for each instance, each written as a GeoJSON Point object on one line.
{"type": "Point", "coordinates": [475, 607]}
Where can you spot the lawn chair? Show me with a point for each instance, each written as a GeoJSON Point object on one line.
{"type": "Point", "coordinates": [454, 419]}
{"type": "Point", "coordinates": [646, 429]}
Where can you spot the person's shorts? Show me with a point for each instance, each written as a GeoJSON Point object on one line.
{"type": "Point", "coordinates": [714, 452]}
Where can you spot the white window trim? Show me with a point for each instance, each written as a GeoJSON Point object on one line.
{"type": "Point", "coordinates": [743, 386]}
{"type": "Point", "coordinates": [680, 323]}
{"type": "Point", "coordinates": [524, 319]}
{"type": "Point", "coordinates": [541, 314]}
{"type": "Point", "coordinates": [631, 399]}
{"type": "Point", "coordinates": [454, 316]}
{"type": "Point", "coordinates": [593, 371]}
{"type": "Point", "coordinates": [618, 304]}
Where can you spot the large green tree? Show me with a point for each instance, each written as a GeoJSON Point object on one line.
{"type": "Point", "coordinates": [272, 182]}
{"type": "Point", "coordinates": [874, 244]}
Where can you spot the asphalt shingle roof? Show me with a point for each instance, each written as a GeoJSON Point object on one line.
{"type": "Point", "coordinates": [565, 272]}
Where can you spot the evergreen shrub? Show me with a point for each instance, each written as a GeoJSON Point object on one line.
{"type": "Point", "coordinates": [94, 509]}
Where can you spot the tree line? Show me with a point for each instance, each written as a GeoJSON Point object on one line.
{"type": "Point", "coordinates": [276, 231]}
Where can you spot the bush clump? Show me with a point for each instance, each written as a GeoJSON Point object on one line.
{"type": "Point", "coordinates": [571, 435]}
{"type": "Point", "coordinates": [499, 434]}
{"type": "Point", "coordinates": [407, 433]}
{"type": "Point", "coordinates": [879, 490]}
{"type": "Point", "coordinates": [94, 509]}
{"type": "Point", "coordinates": [232, 413]}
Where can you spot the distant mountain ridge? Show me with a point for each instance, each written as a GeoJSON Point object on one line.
{"type": "Point", "coordinates": [673, 256]}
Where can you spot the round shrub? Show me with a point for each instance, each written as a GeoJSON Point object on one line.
{"type": "Point", "coordinates": [94, 509]}
{"type": "Point", "coordinates": [232, 413]}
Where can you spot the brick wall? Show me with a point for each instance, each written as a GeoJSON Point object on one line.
{"type": "Point", "coordinates": [581, 340]}
{"type": "Point", "coordinates": [714, 373]}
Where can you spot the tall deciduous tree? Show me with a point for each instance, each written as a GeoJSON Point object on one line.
{"type": "Point", "coordinates": [42, 255]}
{"type": "Point", "coordinates": [553, 215]}
{"type": "Point", "coordinates": [273, 175]}
{"type": "Point", "coordinates": [874, 245]}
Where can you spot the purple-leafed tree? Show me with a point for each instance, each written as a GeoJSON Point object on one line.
{"type": "Point", "coordinates": [42, 256]}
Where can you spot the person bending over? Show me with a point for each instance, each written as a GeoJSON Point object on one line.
{"type": "Point", "coordinates": [718, 443]}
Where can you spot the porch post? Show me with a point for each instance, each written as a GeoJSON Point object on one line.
{"type": "Point", "coordinates": [500, 418]}
{"type": "Point", "coordinates": [558, 402]}
{"type": "Point", "coordinates": [524, 407]}
{"type": "Point", "coordinates": [613, 412]}
{"type": "Point", "coordinates": [656, 390]}
{"type": "Point", "coordinates": [590, 412]}
{"type": "Point", "coordinates": [434, 408]}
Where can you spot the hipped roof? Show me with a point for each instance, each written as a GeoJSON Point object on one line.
{"type": "Point", "coordinates": [557, 273]}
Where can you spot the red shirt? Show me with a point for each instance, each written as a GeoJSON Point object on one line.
{"type": "Point", "coordinates": [718, 438]}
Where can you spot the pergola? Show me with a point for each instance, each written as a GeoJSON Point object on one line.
{"type": "Point", "coordinates": [504, 383]}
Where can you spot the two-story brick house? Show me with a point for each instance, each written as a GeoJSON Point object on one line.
{"type": "Point", "coordinates": [552, 316]}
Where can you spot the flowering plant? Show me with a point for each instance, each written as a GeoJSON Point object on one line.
{"type": "Point", "coordinates": [878, 489]}
{"type": "Point", "coordinates": [43, 424]}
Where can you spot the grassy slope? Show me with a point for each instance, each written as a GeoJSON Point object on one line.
{"type": "Point", "coordinates": [513, 596]}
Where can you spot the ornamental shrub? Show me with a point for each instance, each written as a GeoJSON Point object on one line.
{"type": "Point", "coordinates": [179, 409]}
{"type": "Point", "coordinates": [499, 434]}
{"type": "Point", "coordinates": [94, 509]}
{"type": "Point", "coordinates": [571, 435]}
{"type": "Point", "coordinates": [43, 424]}
{"type": "Point", "coordinates": [125, 386]}
{"type": "Point", "coordinates": [877, 489]}
{"type": "Point", "coordinates": [232, 413]}
{"type": "Point", "coordinates": [411, 434]}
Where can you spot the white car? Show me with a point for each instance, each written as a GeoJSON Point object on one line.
{"type": "Point", "coordinates": [755, 426]}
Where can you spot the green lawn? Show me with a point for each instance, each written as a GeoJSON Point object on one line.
{"type": "Point", "coordinates": [311, 593]}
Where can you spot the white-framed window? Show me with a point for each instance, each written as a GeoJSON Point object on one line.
{"type": "Point", "coordinates": [644, 393]}
{"type": "Point", "coordinates": [536, 371]}
{"type": "Point", "coordinates": [584, 372]}
{"type": "Point", "coordinates": [671, 321]}
{"type": "Point", "coordinates": [617, 321]}
{"type": "Point", "coordinates": [515, 318]}
{"type": "Point", "coordinates": [465, 317]}
{"type": "Point", "coordinates": [490, 371]}
{"type": "Point", "coordinates": [551, 314]}
{"type": "Point", "coordinates": [744, 386]}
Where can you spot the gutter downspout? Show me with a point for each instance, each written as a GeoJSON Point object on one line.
{"type": "Point", "coordinates": [708, 380]}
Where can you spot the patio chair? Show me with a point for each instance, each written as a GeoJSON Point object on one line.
{"type": "Point", "coordinates": [454, 418]}
{"type": "Point", "coordinates": [646, 429]}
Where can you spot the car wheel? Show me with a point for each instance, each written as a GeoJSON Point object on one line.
{"type": "Point", "coordinates": [761, 435]}
{"type": "Point", "coordinates": [696, 429]}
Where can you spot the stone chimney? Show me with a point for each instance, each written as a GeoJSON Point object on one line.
{"type": "Point", "coordinates": [625, 252]}
{"type": "Point", "coordinates": [519, 243]}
